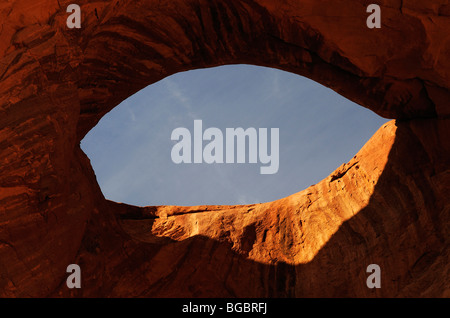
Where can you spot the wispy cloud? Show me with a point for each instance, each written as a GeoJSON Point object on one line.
{"type": "Point", "coordinates": [178, 94]}
{"type": "Point", "coordinates": [130, 111]}
{"type": "Point", "coordinates": [275, 83]}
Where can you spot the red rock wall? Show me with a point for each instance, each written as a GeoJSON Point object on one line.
{"type": "Point", "coordinates": [389, 205]}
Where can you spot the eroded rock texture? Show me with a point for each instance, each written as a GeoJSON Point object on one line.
{"type": "Point", "coordinates": [389, 205]}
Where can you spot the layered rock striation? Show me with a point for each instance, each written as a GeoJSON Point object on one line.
{"type": "Point", "coordinates": [389, 205]}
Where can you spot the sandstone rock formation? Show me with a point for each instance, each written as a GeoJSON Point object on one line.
{"type": "Point", "coordinates": [389, 205]}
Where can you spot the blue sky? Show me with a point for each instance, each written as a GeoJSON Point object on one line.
{"type": "Point", "coordinates": [130, 148]}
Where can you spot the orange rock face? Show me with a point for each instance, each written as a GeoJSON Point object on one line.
{"type": "Point", "coordinates": [388, 206]}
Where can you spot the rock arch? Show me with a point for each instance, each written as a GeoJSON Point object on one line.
{"type": "Point", "coordinates": [388, 205]}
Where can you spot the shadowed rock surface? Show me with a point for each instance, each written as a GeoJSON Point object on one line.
{"type": "Point", "coordinates": [389, 205]}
